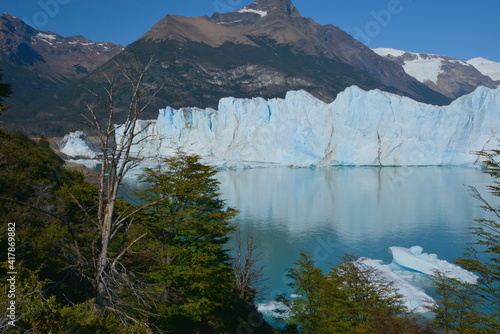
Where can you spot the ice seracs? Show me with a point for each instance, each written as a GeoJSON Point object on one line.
{"type": "Point", "coordinates": [371, 128]}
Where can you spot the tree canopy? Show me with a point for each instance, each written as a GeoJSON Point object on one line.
{"type": "Point", "coordinates": [475, 308]}
{"type": "Point", "coordinates": [348, 299]}
{"type": "Point", "coordinates": [173, 249]}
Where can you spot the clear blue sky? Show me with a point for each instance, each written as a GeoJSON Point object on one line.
{"type": "Point", "coordinates": [459, 28]}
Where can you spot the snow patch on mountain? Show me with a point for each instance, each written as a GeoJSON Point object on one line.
{"type": "Point", "coordinates": [423, 67]}
{"type": "Point", "coordinates": [46, 36]}
{"type": "Point", "coordinates": [487, 67]}
{"type": "Point", "coordinates": [255, 11]}
{"type": "Point", "coordinates": [389, 52]}
{"type": "Point", "coordinates": [371, 128]}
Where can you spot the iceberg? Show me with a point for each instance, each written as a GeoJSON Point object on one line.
{"type": "Point", "coordinates": [359, 128]}
{"type": "Point", "coordinates": [413, 258]}
{"type": "Point", "coordinates": [75, 145]}
{"type": "Point", "coordinates": [413, 298]}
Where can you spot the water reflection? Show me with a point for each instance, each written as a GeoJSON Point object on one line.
{"type": "Point", "coordinates": [355, 210]}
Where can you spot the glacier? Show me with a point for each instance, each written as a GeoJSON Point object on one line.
{"type": "Point", "coordinates": [359, 128]}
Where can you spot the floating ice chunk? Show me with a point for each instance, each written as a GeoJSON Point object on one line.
{"type": "Point", "coordinates": [269, 309]}
{"type": "Point", "coordinates": [75, 145]}
{"type": "Point", "coordinates": [414, 299]}
{"type": "Point", "coordinates": [414, 258]}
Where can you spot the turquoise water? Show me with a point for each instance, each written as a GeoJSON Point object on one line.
{"type": "Point", "coordinates": [360, 211]}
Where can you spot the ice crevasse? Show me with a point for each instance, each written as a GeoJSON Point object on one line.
{"type": "Point", "coordinates": [373, 128]}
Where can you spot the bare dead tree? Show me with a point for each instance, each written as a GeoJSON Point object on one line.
{"type": "Point", "coordinates": [246, 265]}
{"type": "Point", "coordinates": [117, 161]}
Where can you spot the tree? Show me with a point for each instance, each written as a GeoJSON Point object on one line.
{"type": "Point", "coordinates": [117, 161]}
{"type": "Point", "coordinates": [5, 91]}
{"type": "Point", "coordinates": [456, 311]}
{"type": "Point", "coordinates": [348, 299]}
{"type": "Point", "coordinates": [37, 196]}
{"type": "Point", "coordinates": [466, 308]}
{"type": "Point", "coordinates": [249, 274]}
{"type": "Point", "coordinates": [189, 226]}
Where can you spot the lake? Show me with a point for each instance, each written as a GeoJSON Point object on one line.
{"type": "Point", "coordinates": [360, 211]}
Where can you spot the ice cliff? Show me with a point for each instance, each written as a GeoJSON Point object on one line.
{"type": "Point", "coordinates": [358, 128]}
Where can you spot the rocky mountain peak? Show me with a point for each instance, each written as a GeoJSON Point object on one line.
{"type": "Point", "coordinates": [255, 12]}
{"type": "Point", "coordinates": [273, 7]}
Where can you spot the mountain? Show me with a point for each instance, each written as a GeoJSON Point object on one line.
{"type": "Point", "coordinates": [447, 75]}
{"type": "Point", "coordinates": [49, 55]}
{"type": "Point", "coordinates": [373, 128]}
{"type": "Point", "coordinates": [487, 67]}
{"type": "Point", "coordinates": [280, 21]}
{"type": "Point", "coordinates": [37, 63]}
{"type": "Point", "coordinates": [265, 49]}
{"type": "Point", "coordinates": [297, 51]}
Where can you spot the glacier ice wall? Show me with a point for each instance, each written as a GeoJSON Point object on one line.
{"type": "Point", "coordinates": [358, 128]}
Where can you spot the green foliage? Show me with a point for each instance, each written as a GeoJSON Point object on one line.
{"type": "Point", "coordinates": [465, 308]}
{"type": "Point", "coordinates": [174, 252]}
{"type": "Point", "coordinates": [188, 226]}
{"type": "Point", "coordinates": [349, 299]}
{"type": "Point", "coordinates": [39, 312]}
{"type": "Point", "coordinates": [457, 310]}
{"type": "Point", "coordinates": [38, 194]}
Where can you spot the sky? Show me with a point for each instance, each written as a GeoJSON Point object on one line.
{"type": "Point", "coordinates": [463, 29]}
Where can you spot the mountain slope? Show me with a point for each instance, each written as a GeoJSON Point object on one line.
{"type": "Point", "coordinates": [280, 20]}
{"type": "Point", "coordinates": [49, 55]}
{"type": "Point", "coordinates": [265, 49]}
{"type": "Point", "coordinates": [38, 63]}
{"type": "Point", "coordinates": [447, 75]}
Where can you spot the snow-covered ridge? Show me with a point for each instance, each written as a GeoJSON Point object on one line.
{"type": "Point", "coordinates": [372, 128]}
{"type": "Point", "coordinates": [487, 67]}
{"type": "Point", "coordinates": [52, 38]}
